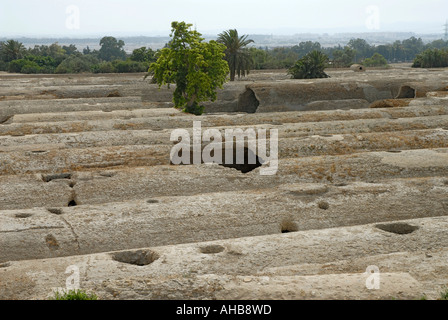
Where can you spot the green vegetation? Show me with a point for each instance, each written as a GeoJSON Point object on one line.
{"type": "Point", "coordinates": [432, 58]}
{"type": "Point", "coordinates": [241, 57]}
{"type": "Point", "coordinates": [237, 55]}
{"type": "Point", "coordinates": [74, 295]}
{"type": "Point", "coordinates": [77, 64]}
{"type": "Point", "coordinates": [355, 51]}
{"type": "Point", "coordinates": [311, 66]}
{"type": "Point", "coordinates": [444, 295]}
{"type": "Point", "coordinates": [144, 54]}
{"type": "Point", "coordinates": [377, 60]}
{"type": "Point", "coordinates": [11, 50]}
{"type": "Point", "coordinates": [197, 68]}
{"type": "Point", "coordinates": [111, 49]}
{"type": "Point", "coordinates": [111, 58]}
{"type": "Point", "coordinates": [343, 58]}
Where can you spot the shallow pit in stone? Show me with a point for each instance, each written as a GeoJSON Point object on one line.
{"type": "Point", "coordinates": [342, 184]}
{"type": "Point", "coordinates": [397, 228]}
{"type": "Point", "coordinates": [324, 205]}
{"type": "Point", "coordinates": [139, 258]}
{"type": "Point", "coordinates": [212, 249]}
{"type": "Point", "coordinates": [394, 151]}
{"type": "Point", "coordinates": [55, 211]}
{"type": "Point", "coordinates": [60, 176]}
{"type": "Point", "coordinates": [23, 215]}
{"type": "Point", "coordinates": [288, 227]}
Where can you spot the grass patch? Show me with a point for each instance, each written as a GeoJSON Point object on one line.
{"type": "Point", "coordinates": [444, 295]}
{"type": "Point", "coordinates": [74, 295]}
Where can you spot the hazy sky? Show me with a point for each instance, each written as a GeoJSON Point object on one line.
{"type": "Point", "coordinates": [75, 18]}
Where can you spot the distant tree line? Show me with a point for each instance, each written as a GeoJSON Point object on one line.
{"type": "Point", "coordinates": [356, 51]}
{"type": "Point", "coordinates": [110, 58]}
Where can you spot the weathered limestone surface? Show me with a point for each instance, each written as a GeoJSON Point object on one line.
{"type": "Point", "coordinates": [230, 269]}
{"type": "Point", "coordinates": [286, 96]}
{"type": "Point", "coordinates": [362, 182]}
{"type": "Point", "coordinates": [212, 216]}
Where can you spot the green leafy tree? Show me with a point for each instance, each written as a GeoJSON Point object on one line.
{"type": "Point", "coordinates": [306, 47]}
{"type": "Point", "coordinates": [11, 50]}
{"type": "Point", "coordinates": [432, 58]}
{"type": "Point", "coordinates": [33, 64]}
{"type": "Point", "coordinates": [377, 60]}
{"type": "Point", "coordinates": [71, 49]}
{"type": "Point", "coordinates": [77, 64]}
{"type": "Point", "coordinates": [437, 44]}
{"type": "Point", "coordinates": [260, 58]}
{"type": "Point", "coordinates": [129, 66]}
{"type": "Point", "coordinates": [343, 58]}
{"type": "Point", "coordinates": [196, 67]}
{"type": "Point", "coordinates": [237, 55]}
{"type": "Point", "coordinates": [86, 51]}
{"type": "Point", "coordinates": [361, 47]}
{"type": "Point", "coordinates": [311, 66]}
{"type": "Point", "coordinates": [144, 55]}
{"type": "Point", "coordinates": [111, 49]}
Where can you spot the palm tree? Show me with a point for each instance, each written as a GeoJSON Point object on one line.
{"type": "Point", "coordinates": [311, 66]}
{"type": "Point", "coordinates": [11, 50]}
{"type": "Point", "coordinates": [237, 55]}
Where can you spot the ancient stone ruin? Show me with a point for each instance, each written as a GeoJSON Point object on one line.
{"type": "Point", "coordinates": [87, 189]}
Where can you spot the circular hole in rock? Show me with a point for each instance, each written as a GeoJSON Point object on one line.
{"type": "Point", "coordinates": [151, 201]}
{"type": "Point", "coordinates": [23, 215]}
{"type": "Point", "coordinates": [139, 258]}
{"type": "Point", "coordinates": [212, 249]}
{"type": "Point", "coordinates": [288, 227]}
{"type": "Point", "coordinates": [397, 228]}
{"type": "Point", "coordinates": [72, 203]}
{"type": "Point", "coordinates": [324, 205]}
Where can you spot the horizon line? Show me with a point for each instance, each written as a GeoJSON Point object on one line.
{"type": "Point", "coordinates": [132, 35]}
